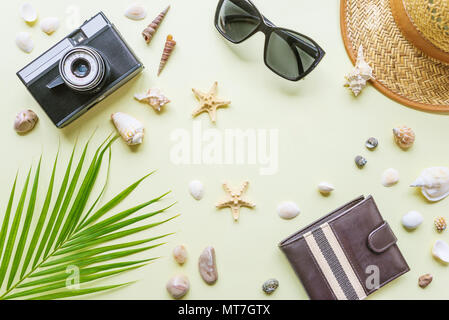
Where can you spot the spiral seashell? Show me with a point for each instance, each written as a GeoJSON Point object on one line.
{"type": "Point", "coordinates": [130, 129]}
{"type": "Point", "coordinates": [154, 97]}
{"type": "Point", "coordinates": [151, 29]}
{"type": "Point", "coordinates": [25, 121]}
{"type": "Point", "coordinates": [168, 49]}
{"type": "Point", "coordinates": [434, 183]}
{"type": "Point", "coordinates": [404, 136]}
{"type": "Point", "coordinates": [362, 72]}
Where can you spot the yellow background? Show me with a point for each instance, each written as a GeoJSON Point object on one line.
{"type": "Point", "coordinates": [321, 129]}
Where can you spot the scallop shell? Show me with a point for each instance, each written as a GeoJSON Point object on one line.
{"type": "Point", "coordinates": [325, 188]}
{"type": "Point", "coordinates": [196, 189]}
{"type": "Point", "coordinates": [440, 251]}
{"type": "Point", "coordinates": [434, 183]}
{"type": "Point", "coordinates": [288, 210]}
{"type": "Point", "coordinates": [130, 129]}
{"type": "Point", "coordinates": [136, 12]}
{"type": "Point", "coordinates": [362, 72]}
{"type": "Point", "coordinates": [25, 42]}
{"type": "Point", "coordinates": [49, 25]}
{"type": "Point", "coordinates": [154, 97]}
{"type": "Point", "coordinates": [25, 121]}
{"type": "Point", "coordinates": [390, 177]}
{"type": "Point", "coordinates": [28, 13]}
{"type": "Point", "coordinates": [404, 136]}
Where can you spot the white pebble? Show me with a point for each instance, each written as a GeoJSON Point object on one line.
{"type": "Point", "coordinates": [412, 220]}
{"type": "Point", "coordinates": [390, 177]}
{"type": "Point", "coordinates": [288, 210]}
{"type": "Point", "coordinates": [196, 189]}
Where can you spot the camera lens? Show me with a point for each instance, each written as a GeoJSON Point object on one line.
{"type": "Point", "coordinates": [80, 68]}
{"type": "Point", "coordinates": [83, 69]}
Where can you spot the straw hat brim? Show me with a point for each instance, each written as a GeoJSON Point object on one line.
{"type": "Point", "coordinates": [401, 71]}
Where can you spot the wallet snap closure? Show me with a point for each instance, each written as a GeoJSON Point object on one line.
{"type": "Point", "coordinates": [382, 238]}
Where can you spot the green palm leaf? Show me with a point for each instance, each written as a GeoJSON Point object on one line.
{"type": "Point", "coordinates": [36, 256]}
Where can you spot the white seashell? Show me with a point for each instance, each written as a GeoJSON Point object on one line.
{"type": "Point", "coordinates": [28, 13]}
{"type": "Point", "coordinates": [136, 12]}
{"type": "Point", "coordinates": [390, 177]}
{"type": "Point", "coordinates": [130, 129]}
{"type": "Point", "coordinates": [154, 97]}
{"type": "Point", "coordinates": [434, 183]}
{"type": "Point", "coordinates": [288, 210]}
{"type": "Point", "coordinates": [196, 189]}
{"type": "Point", "coordinates": [24, 42]}
{"type": "Point", "coordinates": [362, 72]}
{"type": "Point", "coordinates": [412, 220]}
{"type": "Point", "coordinates": [49, 25]}
{"type": "Point", "coordinates": [325, 188]}
{"type": "Point", "coordinates": [440, 251]}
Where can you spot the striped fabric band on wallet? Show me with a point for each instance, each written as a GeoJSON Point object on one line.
{"type": "Point", "coordinates": [334, 264]}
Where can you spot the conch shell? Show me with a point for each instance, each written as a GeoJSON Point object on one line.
{"type": "Point", "coordinates": [130, 129]}
{"type": "Point", "coordinates": [136, 12]}
{"type": "Point", "coordinates": [49, 25]}
{"type": "Point", "coordinates": [440, 251]}
{"type": "Point", "coordinates": [151, 29]}
{"type": "Point", "coordinates": [404, 136]}
{"type": "Point", "coordinates": [362, 72]}
{"type": "Point", "coordinates": [154, 97]}
{"type": "Point", "coordinates": [168, 49]}
{"type": "Point", "coordinates": [434, 183]}
{"type": "Point", "coordinates": [28, 13]}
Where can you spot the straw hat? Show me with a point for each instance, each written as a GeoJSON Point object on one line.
{"type": "Point", "coordinates": [406, 42]}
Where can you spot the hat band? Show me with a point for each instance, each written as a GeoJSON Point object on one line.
{"type": "Point", "coordinates": [412, 34]}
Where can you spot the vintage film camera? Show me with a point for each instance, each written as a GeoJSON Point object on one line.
{"type": "Point", "coordinates": [80, 70]}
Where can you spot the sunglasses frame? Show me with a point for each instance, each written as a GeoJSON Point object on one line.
{"type": "Point", "coordinates": [267, 27]}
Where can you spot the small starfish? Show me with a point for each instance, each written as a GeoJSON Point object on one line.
{"type": "Point", "coordinates": [235, 202]}
{"type": "Point", "coordinates": [209, 102]}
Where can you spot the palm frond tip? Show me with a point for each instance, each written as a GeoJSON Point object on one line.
{"type": "Point", "coordinates": [39, 245]}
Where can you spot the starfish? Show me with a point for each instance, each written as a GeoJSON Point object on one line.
{"type": "Point", "coordinates": [209, 102]}
{"type": "Point", "coordinates": [235, 201]}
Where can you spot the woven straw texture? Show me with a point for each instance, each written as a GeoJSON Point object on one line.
{"type": "Point", "coordinates": [431, 18]}
{"type": "Point", "coordinates": [401, 71]}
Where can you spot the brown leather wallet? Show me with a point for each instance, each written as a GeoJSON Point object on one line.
{"type": "Point", "coordinates": [346, 255]}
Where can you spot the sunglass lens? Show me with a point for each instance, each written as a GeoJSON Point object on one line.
{"type": "Point", "coordinates": [237, 19]}
{"type": "Point", "coordinates": [290, 54]}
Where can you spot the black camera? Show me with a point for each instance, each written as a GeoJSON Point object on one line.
{"type": "Point", "coordinates": [80, 70]}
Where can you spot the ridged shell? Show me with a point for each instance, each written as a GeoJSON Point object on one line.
{"type": "Point", "coordinates": [154, 97]}
{"type": "Point", "coordinates": [362, 72]}
{"type": "Point", "coordinates": [49, 25]}
{"type": "Point", "coordinates": [136, 12]}
{"type": "Point", "coordinates": [404, 136]}
{"type": "Point", "coordinates": [440, 251]}
{"type": "Point", "coordinates": [434, 183]}
{"type": "Point", "coordinates": [25, 42]}
{"type": "Point", "coordinates": [28, 13]}
{"type": "Point", "coordinates": [151, 29]}
{"type": "Point", "coordinates": [130, 129]}
{"type": "Point", "coordinates": [168, 49]}
{"type": "Point", "coordinates": [390, 177]}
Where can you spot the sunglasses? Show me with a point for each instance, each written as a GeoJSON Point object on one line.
{"type": "Point", "coordinates": [287, 53]}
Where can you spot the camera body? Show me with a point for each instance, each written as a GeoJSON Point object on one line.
{"type": "Point", "coordinates": [80, 70]}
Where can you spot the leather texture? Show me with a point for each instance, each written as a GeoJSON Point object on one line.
{"type": "Point", "coordinates": [365, 239]}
